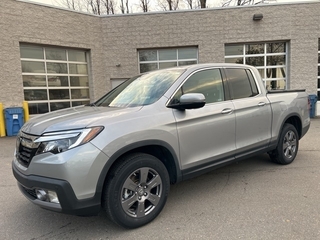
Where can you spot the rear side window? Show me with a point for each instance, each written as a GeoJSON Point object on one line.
{"type": "Point", "coordinates": [242, 83]}
{"type": "Point", "coordinates": [253, 84]}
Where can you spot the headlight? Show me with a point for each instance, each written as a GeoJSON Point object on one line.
{"type": "Point", "coordinates": [58, 142]}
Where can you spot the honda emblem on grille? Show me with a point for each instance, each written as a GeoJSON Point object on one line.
{"type": "Point", "coordinates": [26, 142]}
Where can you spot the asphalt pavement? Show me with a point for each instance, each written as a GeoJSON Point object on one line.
{"type": "Point", "coordinates": [251, 199]}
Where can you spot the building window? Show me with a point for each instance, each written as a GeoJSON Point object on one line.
{"type": "Point", "coordinates": [54, 78]}
{"type": "Point", "coordinates": [269, 58]}
{"type": "Point", "coordinates": [152, 59]}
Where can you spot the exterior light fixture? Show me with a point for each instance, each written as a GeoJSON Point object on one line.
{"type": "Point", "coordinates": [257, 17]}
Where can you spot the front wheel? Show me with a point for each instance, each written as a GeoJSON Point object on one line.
{"type": "Point", "coordinates": [136, 190]}
{"type": "Point", "coordinates": [288, 144]}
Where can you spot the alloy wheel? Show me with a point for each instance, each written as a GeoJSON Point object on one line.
{"type": "Point", "coordinates": [289, 144]}
{"type": "Point", "coordinates": [141, 192]}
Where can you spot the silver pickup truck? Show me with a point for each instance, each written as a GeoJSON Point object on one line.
{"type": "Point", "coordinates": [122, 152]}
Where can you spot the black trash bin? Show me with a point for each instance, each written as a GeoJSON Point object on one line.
{"type": "Point", "coordinates": [14, 120]}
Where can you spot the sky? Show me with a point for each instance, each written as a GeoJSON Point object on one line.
{"type": "Point", "coordinates": [211, 3]}
{"type": "Point", "coordinates": [53, 2]}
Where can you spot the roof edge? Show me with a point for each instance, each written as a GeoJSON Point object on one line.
{"type": "Point", "coordinates": [169, 12]}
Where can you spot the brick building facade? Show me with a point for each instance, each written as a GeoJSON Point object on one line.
{"type": "Point", "coordinates": [119, 46]}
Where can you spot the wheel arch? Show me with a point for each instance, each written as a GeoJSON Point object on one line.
{"type": "Point", "coordinates": [159, 149]}
{"type": "Point", "coordinates": [286, 150]}
{"type": "Point", "coordinates": [294, 120]}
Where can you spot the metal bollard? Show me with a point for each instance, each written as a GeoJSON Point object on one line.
{"type": "Point", "coordinates": [2, 128]}
{"type": "Point", "coordinates": [25, 107]}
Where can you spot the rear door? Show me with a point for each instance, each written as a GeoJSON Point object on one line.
{"type": "Point", "coordinates": [208, 133]}
{"type": "Point", "coordinates": [252, 111]}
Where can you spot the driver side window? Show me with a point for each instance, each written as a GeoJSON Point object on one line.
{"type": "Point", "coordinates": [207, 82]}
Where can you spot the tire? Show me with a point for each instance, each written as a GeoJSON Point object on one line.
{"type": "Point", "coordinates": [136, 190]}
{"type": "Point", "coordinates": [288, 145]}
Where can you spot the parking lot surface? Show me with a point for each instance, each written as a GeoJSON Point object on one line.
{"type": "Point", "coordinates": [251, 199]}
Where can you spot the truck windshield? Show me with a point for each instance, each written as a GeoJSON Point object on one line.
{"type": "Point", "coordinates": [141, 90]}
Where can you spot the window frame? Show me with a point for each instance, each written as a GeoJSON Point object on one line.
{"type": "Point", "coordinates": [244, 55]}
{"type": "Point", "coordinates": [158, 61]}
{"type": "Point", "coordinates": [70, 100]}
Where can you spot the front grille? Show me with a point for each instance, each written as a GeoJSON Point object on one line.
{"type": "Point", "coordinates": [26, 148]}
{"type": "Point", "coordinates": [25, 155]}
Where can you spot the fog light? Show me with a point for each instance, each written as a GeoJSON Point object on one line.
{"type": "Point", "coordinates": [41, 194]}
{"type": "Point", "coordinates": [53, 197]}
{"type": "Point", "coordinates": [47, 195]}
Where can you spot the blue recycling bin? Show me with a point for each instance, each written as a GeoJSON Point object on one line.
{"type": "Point", "coordinates": [313, 103]}
{"type": "Point", "coordinates": [14, 120]}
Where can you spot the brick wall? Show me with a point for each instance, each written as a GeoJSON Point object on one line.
{"type": "Point", "coordinates": [212, 28]}
{"type": "Point", "coordinates": [25, 22]}
{"type": "Point", "coordinates": [115, 39]}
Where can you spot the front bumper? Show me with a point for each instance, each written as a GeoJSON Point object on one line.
{"type": "Point", "coordinates": [68, 201]}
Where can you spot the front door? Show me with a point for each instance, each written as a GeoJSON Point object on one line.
{"type": "Point", "coordinates": [208, 133]}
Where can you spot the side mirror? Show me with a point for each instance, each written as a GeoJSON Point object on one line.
{"type": "Point", "coordinates": [190, 101]}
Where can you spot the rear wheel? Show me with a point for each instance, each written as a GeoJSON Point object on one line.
{"type": "Point", "coordinates": [136, 190]}
{"type": "Point", "coordinates": [287, 148]}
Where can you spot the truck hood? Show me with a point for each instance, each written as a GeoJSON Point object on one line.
{"type": "Point", "coordinates": [73, 118]}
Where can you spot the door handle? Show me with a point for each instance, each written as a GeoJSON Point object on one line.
{"type": "Point", "coordinates": [261, 104]}
{"type": "Point", "coordinates": [226, 111]}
